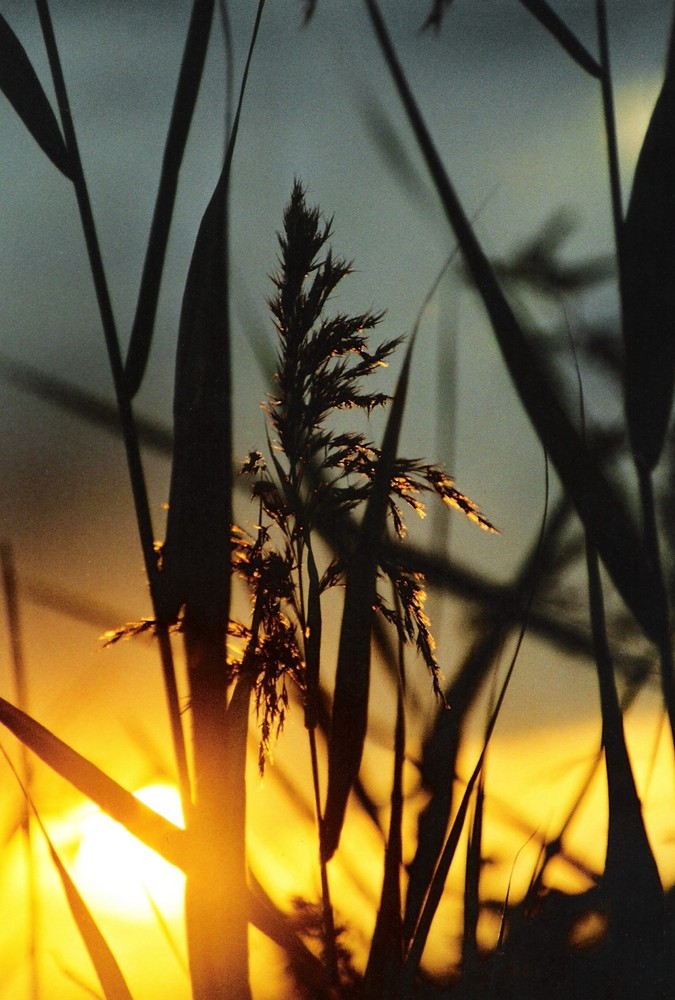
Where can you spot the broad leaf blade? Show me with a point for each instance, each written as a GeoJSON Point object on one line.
{"type": "Point", "coordinates": [350, 700]}
{"type": "Point", "coordinates": [155, 831]}
{"type": "Point", "coordinates": [187, 90]}
{"type": "Point", "coordinates": [648, 284]}
{"type": "Point", "coordinates": [20, 85]}
{"type": "Point", "coordinates": [196, 552]}
{"type": "Point", "coordinates": [597, 504]}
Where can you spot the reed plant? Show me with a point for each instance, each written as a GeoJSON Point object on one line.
{"type": "Point", "coordinates": [325, 515]}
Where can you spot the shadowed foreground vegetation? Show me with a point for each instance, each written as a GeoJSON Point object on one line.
{"type": "Point", "coordinates": [245, 582]}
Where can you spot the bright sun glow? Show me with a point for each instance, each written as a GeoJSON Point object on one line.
{"type": "Point", "coordinates": [121, 875]}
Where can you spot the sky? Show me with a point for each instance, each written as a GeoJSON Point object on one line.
{"type": "Point", "coordinates": [519, 128]}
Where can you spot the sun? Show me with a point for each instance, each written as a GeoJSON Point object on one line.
{"type": "Point", "coordinates": [118, 873]}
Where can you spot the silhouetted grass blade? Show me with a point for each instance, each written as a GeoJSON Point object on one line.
{"type": "Point", "coordinates": [546, 16]}
{"type": "Point", "coordinates": [441, 745]}
{"type": "Point", "coordinates": [181, 118]}
{"type": "Point", "coordinates": [474, 860]}
{"type": "Point", "coordinates": [151, 828]}
{"type": "Point", "coordinates": [648, 283]}
{"type": "Point", "coordinates": [197, 576]}
{"type": "Point", "coordinates": [20, 85]}
{"type": "Point", "coordinates": [350, 700]}
{"type": "Point", "coordinates": [154, 830]}
{"type": "Point", "coordinates": [597, 503]}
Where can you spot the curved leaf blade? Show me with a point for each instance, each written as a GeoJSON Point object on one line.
{"type": "Point", "coordinates": [548, 18]}
{"type": "Point", "coordinates": [352, 679]}
{"type": "Point", "coordinates": [196, 551]}
{"type": "Point", "coordinates": [20, 85]}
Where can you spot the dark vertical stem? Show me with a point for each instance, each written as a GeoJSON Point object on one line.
{"type": "Point", "coordinates": [127, 421]}
{"type": "Point", "coordinates": [102, 295]}
{"type": "Point", "coordinates": [310, 611]}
